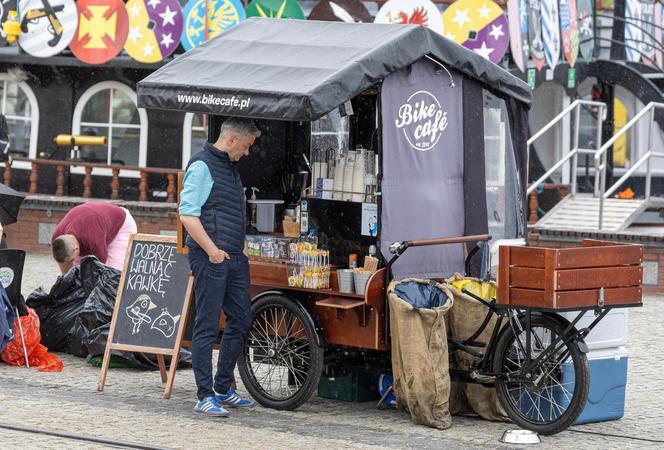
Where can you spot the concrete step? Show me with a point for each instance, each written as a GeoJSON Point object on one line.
{"type": "Point", "coordinates": [581, 212]}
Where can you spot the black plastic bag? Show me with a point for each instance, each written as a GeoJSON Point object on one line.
{"type": "Point", "coordinates": [76, 314]}
{"type": "Point", "coordinates": [58, 311]}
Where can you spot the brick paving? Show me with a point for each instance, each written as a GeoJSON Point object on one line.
{"type": "Point", "coordinates": [131, 408]}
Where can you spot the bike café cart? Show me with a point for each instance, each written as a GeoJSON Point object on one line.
{"type": "Point", "coordinates": [445, 134]}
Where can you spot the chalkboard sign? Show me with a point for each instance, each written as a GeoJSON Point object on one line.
{"type": "Point", "coordinates": [152, 302]}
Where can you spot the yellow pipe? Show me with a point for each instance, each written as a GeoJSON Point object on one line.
{"type": "Point", "coordinates": [67, 139]}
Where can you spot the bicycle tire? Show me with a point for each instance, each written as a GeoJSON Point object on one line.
{"type": "Point", "coordinates": [558, 376]}
{"type": "Point", "coordinates": [265, 346]}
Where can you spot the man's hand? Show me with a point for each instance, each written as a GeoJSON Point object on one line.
{"type": "Point", "coordinates": [218, 256]}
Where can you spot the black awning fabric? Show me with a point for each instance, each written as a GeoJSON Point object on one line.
{"type": "Point", "coordinates": [300, 70]}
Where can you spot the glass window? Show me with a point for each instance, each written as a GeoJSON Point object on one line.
{"type": "Point", "coordinates": [194, 135]}
{"type": "Point", "coordinates": [198, 132]}
{"type": "Point", "coordinates": [18, 110]}
{"type": "Point", "coordinates": [330, 132]}
{"type": "Point", "coordinates": [96, 109]}
{"type": "Point", "coordinates": [110, 110]}
{"type": "Point", "coordinates": [503, 197]}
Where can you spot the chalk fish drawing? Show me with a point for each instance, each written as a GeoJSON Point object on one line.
{"type": "Point", "coordinates": [138, 312]}
{"type": "Point", "coordinates": [165, 323]}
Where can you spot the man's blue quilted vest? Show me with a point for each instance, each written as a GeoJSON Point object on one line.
{"type": "Point", "coordinates": [223, 215]}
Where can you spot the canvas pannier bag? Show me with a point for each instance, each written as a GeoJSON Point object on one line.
{"type": "Point", "coordinates": [420, 361]}
{"type": "Point", "coordinates": [464, 319]}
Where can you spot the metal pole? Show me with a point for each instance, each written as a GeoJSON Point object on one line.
{"type": "Point", "coordinates": [648, 167]}
{"type": "Point", "coordinates": [602, 186]}
{"type": "Point", "coordinates": [575, 159]}
{"type": "Point", "coordinates": [598, 142]}
{"type": "Point", "coordinates": [20, 330]}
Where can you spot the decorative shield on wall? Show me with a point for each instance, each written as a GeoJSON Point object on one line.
{"type": "Point", "coordinates": [102, 30]}
{"type": "Point", "coordinates": [586, 29]}
{"type": "Point", "coordinates": [155, 29]}
{"type": "Point", "coordinates": [535, 33]}
{"type": "Point", "coordinates": [340, 11]}
{"type": "Point", "coordinates": [275, 9]}
{"type": "Point", "coordinates": [648, 42]}
{"type": "Point", "coordinates": [633, 30]}
{"type": "Point", "coordinates": [420, 12]}
{"type": "Point", "coordinates": [5, 7]}
{"type": "Point", "coordinates": [479, 25]}
{"type": "Point", "coordinates": [47, 26]}
{"type": "Point", "coordinates": [569, 30]}
{"type": "Point", "coordinates": [204, 20]}
{"type": "Point", "coordinates": [517, 11]}
{"type": "Point", "coordinates": [551, 32]}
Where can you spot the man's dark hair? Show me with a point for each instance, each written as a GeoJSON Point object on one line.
{"type": "Point", "coordinates": [61, 250]}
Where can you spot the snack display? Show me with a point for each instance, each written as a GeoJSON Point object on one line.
{"type": "Point", "coordinates": [311, 266]}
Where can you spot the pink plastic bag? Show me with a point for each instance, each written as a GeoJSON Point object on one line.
{"type": "Point", "coordinates": [38, 355]}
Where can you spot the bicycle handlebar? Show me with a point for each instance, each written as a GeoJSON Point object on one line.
{"type": "Point", "coordinates": [398, 248]}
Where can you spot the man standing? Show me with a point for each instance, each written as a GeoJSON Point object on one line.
{"type": "Point", "coordinates": [93, 228]}
{"type": "Point", "coordinates": [212, 210]}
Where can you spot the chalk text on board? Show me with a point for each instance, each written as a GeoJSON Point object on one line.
{"type": "Point", "coordinates": [150, 268]}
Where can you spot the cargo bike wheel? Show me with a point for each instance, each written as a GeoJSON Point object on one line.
{"type": "Point", "coordinates": [550, 396]}
{"type": "Point", "coordinates": [282, 361]}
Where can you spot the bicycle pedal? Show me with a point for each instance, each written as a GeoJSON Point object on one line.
{"type": "Point", "coordinates": [485, 379]}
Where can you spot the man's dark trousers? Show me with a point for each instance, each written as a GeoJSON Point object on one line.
{"type": "Point", "coordinates": [219, 286]}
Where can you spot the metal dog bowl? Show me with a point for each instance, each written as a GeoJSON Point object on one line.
{"type": "Point", "coordinates": [520, 437]}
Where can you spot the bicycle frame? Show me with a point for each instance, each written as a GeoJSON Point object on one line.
{"type": "Point", "coordinates": [514, 315]}
{"type": "Point", "coordinates": [481, 373]}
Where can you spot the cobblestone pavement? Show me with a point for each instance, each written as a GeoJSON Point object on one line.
{"type": "Point", "coordinates": [131, 408]}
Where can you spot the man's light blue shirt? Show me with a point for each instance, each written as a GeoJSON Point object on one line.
{"type": "Point", "coordinates": [196, 189]}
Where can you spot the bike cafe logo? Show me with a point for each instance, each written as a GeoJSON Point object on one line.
{"type": "Point", "coordinates": [422, 120]}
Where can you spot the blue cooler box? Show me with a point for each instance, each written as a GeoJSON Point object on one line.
{"type": "Point", "coordinates": [607, 359]}
{"type": "Point", "coordinates": [608, 379]}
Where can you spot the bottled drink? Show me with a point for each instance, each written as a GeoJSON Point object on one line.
{"type": "Point", "coordinates": [312, 238]}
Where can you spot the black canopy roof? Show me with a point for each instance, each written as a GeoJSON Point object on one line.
{"type": "Point", "coordinates": [301, 70]}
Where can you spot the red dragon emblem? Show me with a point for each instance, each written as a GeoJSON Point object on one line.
{"type": "Point", "coordinates": [419, 17]}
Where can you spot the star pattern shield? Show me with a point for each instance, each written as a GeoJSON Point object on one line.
{"type": "Point", "coordinates": [102, 30]}
{"type": "Point", "coordinates": [155, 29]}
{"type": "Point", "coordinates": [479, 25]}
{"type": "Point", "coordinates": [340, 11]}
{"type": "Point", "coordinates": [221, 15]}
{"type": "Point", "coordinates": [275, 9]}
{"type": "Point", "coordinates": [5, 7]}
{"type": "Point", "coordinates": [420, 12]}
{"type": "Point", "coordinates": [47, 26]}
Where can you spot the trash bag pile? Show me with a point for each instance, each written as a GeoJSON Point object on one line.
{"type": "Point", "coordinates": [38, 355]}
{"type": "Point", "coordinates": [76, 313]}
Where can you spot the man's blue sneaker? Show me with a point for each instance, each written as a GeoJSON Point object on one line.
{"type": "Point", "coordinates": [210, 407]}
{"type": "Point", "coordinates": [233, 400]}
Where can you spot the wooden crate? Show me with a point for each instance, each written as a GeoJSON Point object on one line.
{"type": "Point", "coordinates": [571, 277]}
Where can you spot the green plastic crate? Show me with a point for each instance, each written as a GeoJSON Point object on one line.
{"type": "Point", "coordinates": [356, 386]}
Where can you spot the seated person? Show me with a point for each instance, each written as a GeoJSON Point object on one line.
{"type": "Point", "coordinates": [93, 228]}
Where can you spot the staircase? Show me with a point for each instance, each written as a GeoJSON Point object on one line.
{"type": "Point", "coordinates": [599, 210]}
{"type": "Point", "coordinates": [581, 212]}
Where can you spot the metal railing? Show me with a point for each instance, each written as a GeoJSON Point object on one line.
{"type": "Point", "coordinates": [601, 155]}
{"type": "Point", "coordinates": [574, 146]}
